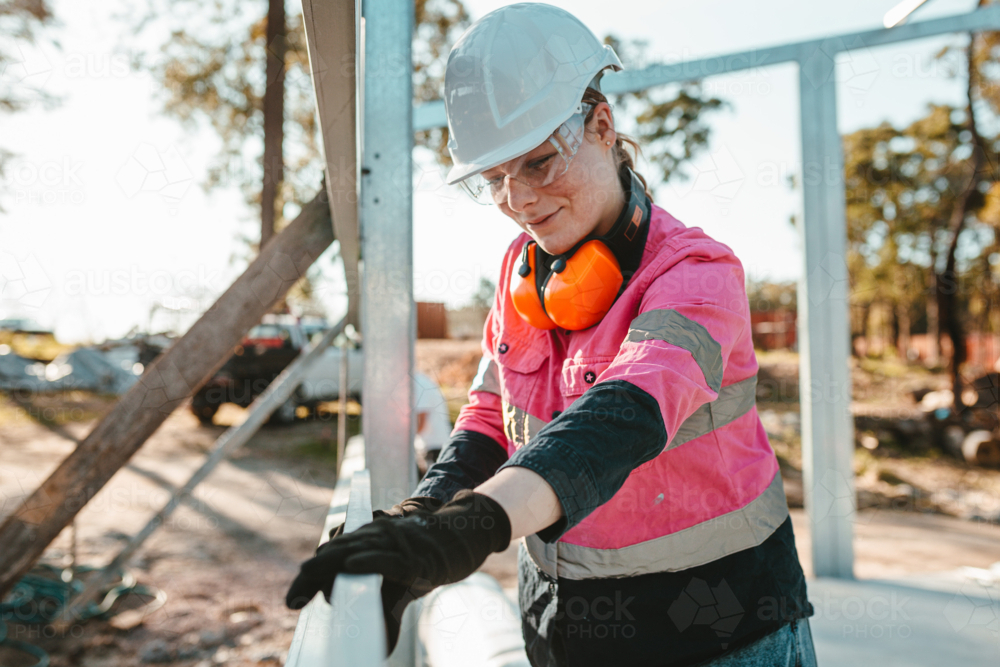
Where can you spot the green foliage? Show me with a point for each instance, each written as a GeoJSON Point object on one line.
{"type": "Point", "coordinates": [212, 71]}
{"type": "Point", "coordinates": [439, 24]}
{"type": "Point", "coordinates": [483, 298]}
{"type": "Point", "coordinates": [20, 24]}
{"type": "Point", "coordinates": [670, 122]}
{"type": "Point", "coordinates": [923, 207]}
{"type": "Point", "coordinates": [20, 21]}
{"type": "Point", "coordinates": [765, 296]}
{"type": "Point", "coordinates": [902, 185]}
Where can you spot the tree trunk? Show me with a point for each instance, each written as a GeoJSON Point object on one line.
{"type": "Point", "coordinates": [947, 282]}
{"type": "Point", "coordinates": [903, 331]}
{"type": "Point", "coordinates": [933, 323]}
{"type": "Point", "coordinates": [274, 118]}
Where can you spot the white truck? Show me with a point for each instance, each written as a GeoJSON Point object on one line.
{"type": "Point", "coordinates": [262, 354]}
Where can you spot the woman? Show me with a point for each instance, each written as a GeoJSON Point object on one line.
{"type": "Point", "coordinates": [612, 424]}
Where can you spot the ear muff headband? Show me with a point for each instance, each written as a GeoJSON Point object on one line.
{"type": "Point", "coordinates": [575, 291]}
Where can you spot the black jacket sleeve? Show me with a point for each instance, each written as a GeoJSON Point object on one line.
{"type": "Point", "coordinates": [588, 451]}
{"type": "Point", "coordinates": [467, 460]}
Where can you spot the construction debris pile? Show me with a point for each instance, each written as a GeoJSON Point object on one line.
{"type": "Point", "coordinates": [108, 368]}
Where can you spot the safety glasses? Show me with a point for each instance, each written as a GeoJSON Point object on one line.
{"type": "Point", "coordinates": [537, 168]}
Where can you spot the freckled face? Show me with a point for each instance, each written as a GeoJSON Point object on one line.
{"type": "Point", "coordinates": [586, 198]}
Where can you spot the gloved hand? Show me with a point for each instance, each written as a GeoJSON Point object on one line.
{"type": "Point", "coordinates": [395, 596]}
{"type": "Point", "coordinates": [399, 510]}
{"type": "Point", "coordinates": [414, 554]}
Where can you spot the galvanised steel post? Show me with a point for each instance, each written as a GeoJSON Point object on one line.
{"type": "Point", "coordinates": [823, 322]}
{"type": "Point", "coordinates": [388, 313]}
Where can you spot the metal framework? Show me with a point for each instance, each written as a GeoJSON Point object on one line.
{"type": "Point", "coordinates": [824, 337]}
{"type": "Point", "coordinates": [351, 42]}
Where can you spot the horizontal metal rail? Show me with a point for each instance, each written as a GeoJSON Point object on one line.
{"type": "Point", "coordinates": [349, 631]}
{"type": "Point", "coordinates": [431, 114]}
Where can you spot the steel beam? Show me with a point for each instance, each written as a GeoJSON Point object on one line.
{"type": "Point", "coordinates": [332, 28]}
{"type": "Point", "coordinates": [388, 312]}
{"type": "Point", "coordinates": [431, 114]}
{"type": "Point", "coordinates": [823, 325]}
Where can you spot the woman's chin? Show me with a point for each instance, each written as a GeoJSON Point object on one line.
{"type": "Point", "coordinates": [553, 246]}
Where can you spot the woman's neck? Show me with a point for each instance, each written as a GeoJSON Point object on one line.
{"type": "Point", "coordinates": [612, 209]}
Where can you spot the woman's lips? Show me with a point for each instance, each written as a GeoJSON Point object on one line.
{"type": "Point", "coordinates": [543, 220]}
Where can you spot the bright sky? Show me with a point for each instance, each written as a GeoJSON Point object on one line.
{"type": "Point", "coordinates": [87, 247]}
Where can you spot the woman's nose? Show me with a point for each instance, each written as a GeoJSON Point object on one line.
{"type": "Point", "coordinates": [519, 195]}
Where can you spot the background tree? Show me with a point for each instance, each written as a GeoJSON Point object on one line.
{"type": "Point", "coordinates": [922, 214]}
{"type": "Point", "coordinates": [243, 70]}
{"type": "Point", "coordinates": [20, 22]}
{"type": "Point", "coordinates": [483, 298]}
{"type": "Point", "coordinates": [273, 113]}
{"type": "Point", "coordinates": [670, 123]}
{"type": "Point", "coordinates": [223, 66]}
{"type": "Point", "coordinates": [220, 65]}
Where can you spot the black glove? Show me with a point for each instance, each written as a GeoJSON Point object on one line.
{"type": "Point", "coordinates": [414, 554]}
{"type": "Point", "coordinates": [395, 596]}
{"type": "Point", "coordinates": [399, 510]}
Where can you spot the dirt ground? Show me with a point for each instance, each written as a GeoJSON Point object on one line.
{"type": "Point", "coordinates": [224, 559]}
{"type": "Point", "coordinates": [227, 555]}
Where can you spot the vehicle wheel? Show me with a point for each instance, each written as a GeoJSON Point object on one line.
{"type": "Point", "coordinates": [285, 414]}
{"type": "Point", "coordinates": [203, 408]}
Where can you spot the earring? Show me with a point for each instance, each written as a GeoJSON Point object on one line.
{"type": "Point", "coordinates": [609, 143]}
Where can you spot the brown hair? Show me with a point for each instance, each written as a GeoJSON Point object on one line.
{"type": "Point", "coordinates": [593, 98]}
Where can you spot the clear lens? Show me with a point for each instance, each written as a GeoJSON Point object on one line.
{"type": "Point", "coordinates": [475, 187]}
{"type": "Point", "coordinates": [478, 188]}
{"type": "Point", "coordinates": [540, 170]}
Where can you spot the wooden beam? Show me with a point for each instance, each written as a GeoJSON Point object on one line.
{"type": "Point", "coordinates": [174, 376]}
{"type": "Point", "coordinates": [262, 407]}
{"type": "Point", "coordinates": [331, 28]}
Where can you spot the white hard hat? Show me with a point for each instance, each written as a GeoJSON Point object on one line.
{"type": "Point", "coordinates": [514, 77]}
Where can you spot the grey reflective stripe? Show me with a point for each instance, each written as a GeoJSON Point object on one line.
{"type": "Point", "coordinates": [702, 543]}
{"type": "Point", "coordinates": [672, 327]}
{"type": "Point", "coordinates": [519, 426]}
{"type": "Point", "coordinates": [488, 377]}
{"type": "Point", "coordinates": [734, 401]}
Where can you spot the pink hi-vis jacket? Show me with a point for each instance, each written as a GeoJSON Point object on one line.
{"type": "Point", "coordinates": [680, 332]}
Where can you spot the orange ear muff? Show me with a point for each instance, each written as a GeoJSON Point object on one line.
{"type": "Point", "coordinates": [524, 291]}
{"type": "Point", "coordinates": [581, 290]}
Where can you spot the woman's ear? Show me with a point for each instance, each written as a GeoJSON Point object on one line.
{"type": "Point", "coordinates": [604, 124]}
